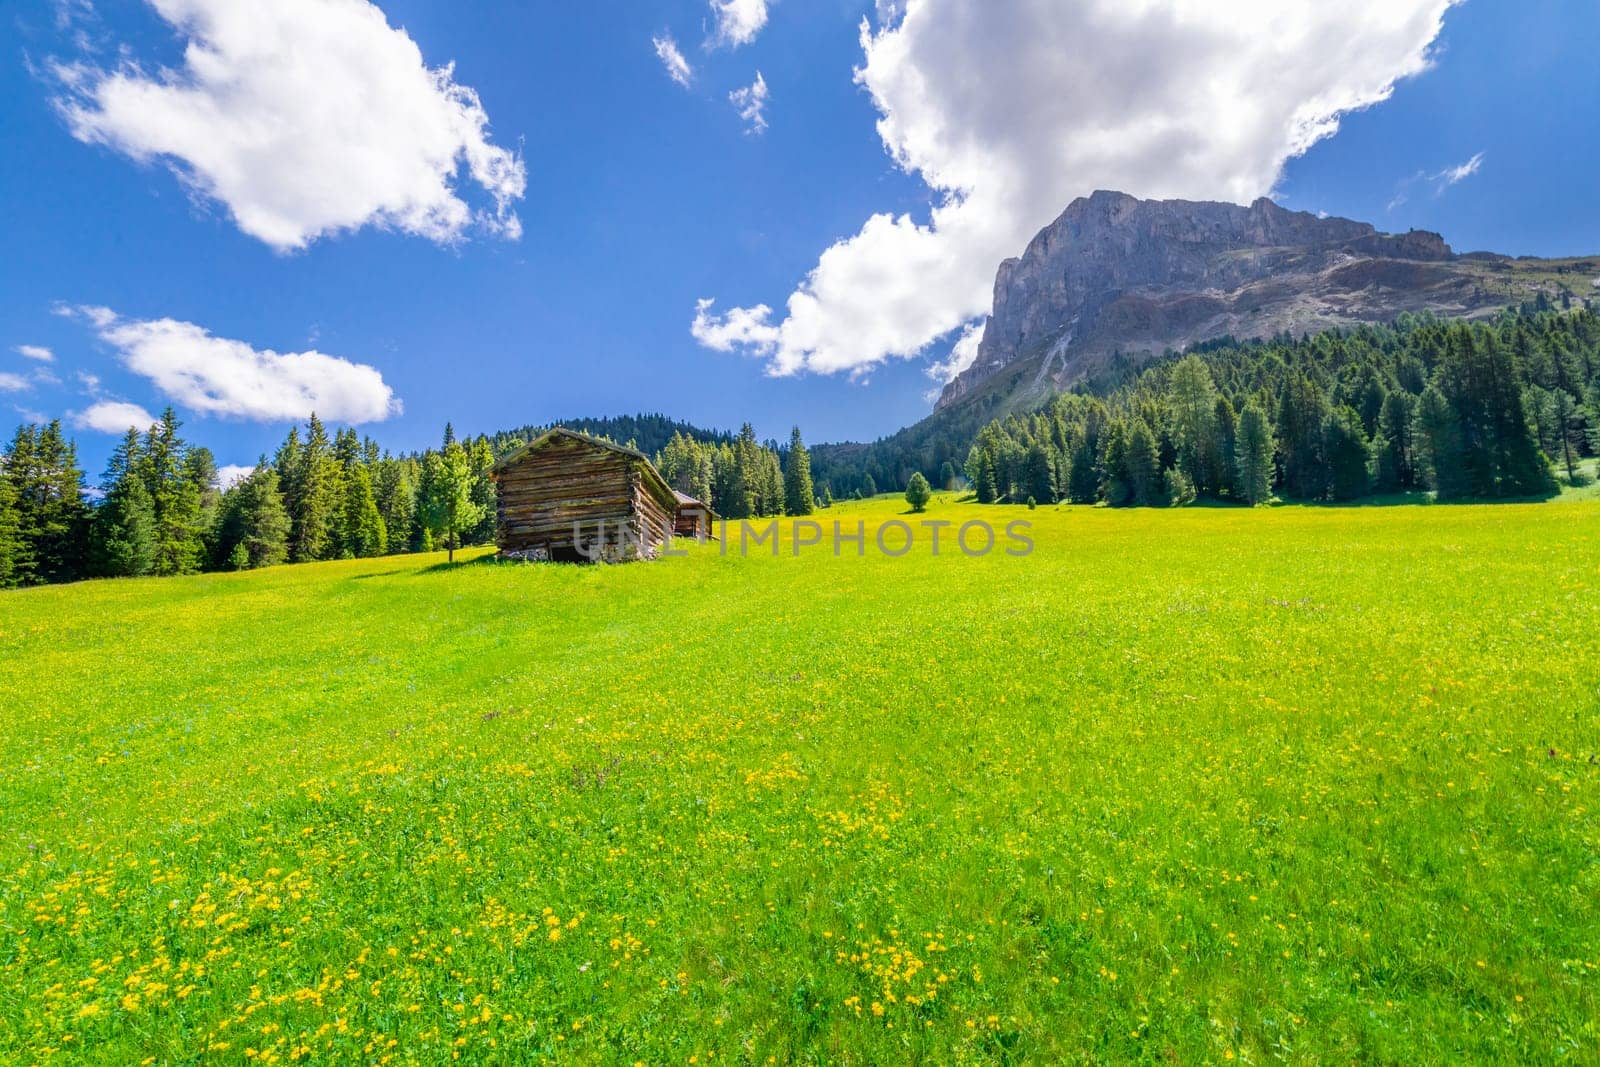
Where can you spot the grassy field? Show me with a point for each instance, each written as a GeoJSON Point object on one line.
{"type": "Point", "coordinates": [1204, 786]}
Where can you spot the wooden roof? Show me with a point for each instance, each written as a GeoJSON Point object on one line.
{"type": "Point", "coordinates": [687, 501]}
{"type": "Point", "coordinates": [658, 484]}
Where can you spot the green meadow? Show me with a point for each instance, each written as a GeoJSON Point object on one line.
{"type": "Point", "coordinates": [1198, 786]}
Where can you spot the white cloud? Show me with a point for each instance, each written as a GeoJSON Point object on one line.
{"type": "Point", "coordinates": [1451, 175]}
{"type": "Point", "coordinates": [112, 416]}
{"type": "Point", "coordinates": [216, 376]}
{"type": "Point", "coordinates": [740, 327]}
{"type": "Point", "coordinates": [751, 103]}
{"type": "Point", "coordinates": [962, 354]}
{"type": "Point", "coordinates": [1009, 110]}
{"type": "Point", "coordinates": [13, 383]}
{"type": "Point", "coordinates": [738, 21]}
{"type": "Point", "coordinates": [1439, 179]}
{"type": "Point", "coordinates": [38, 418]}
{"type": "Point", "coordinates": [231, 474]}
{"type": "Point", "coordinates": [305, 118]}
{"type": "Point", "coordinates": [36, 352]}
{"type": "Point", "coordinates": [677, 67]}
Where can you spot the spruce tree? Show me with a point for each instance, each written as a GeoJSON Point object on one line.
{"type": "Point", "coordinates": [10, 530]}
{"type": "Point", "coordinates": [19, 473]}
{"type": "Point", "coordinates": [123, 543]}
{"type": "Point", "coordinates": [797, 493]}
{"type": "Point", "coordinates": [175, 499]}
{"type": "Point", "coordinates": [1438, 441]}
{"type": "Point", "coordinates": [362, 529]}
{"type": "Point", "coordinates": [395, 486]}
{"type": "Point", "coordinates": [1253, 455]}
{"type": "Point", "coordinates": [316, 498]}
{"type": "Point", "coordinates": [56, 517]}
{"type": "Point", "coordinates": [1348, 453]}
{"type": "Point", "coordinates": [869, 485]}
{"type": "Point", "coordinates": [1143, 465]}
{"type": "Point", "coordinates": [1039, 475]}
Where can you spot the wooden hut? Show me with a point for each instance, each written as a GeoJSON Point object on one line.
{"type": "Point", "coordinates": [694, 518]}
{"type": "Point", "coordinates": [569, 497]}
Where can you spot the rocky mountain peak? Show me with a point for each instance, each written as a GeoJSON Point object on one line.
{"type": "Point", "coordinates": [1116, 274]}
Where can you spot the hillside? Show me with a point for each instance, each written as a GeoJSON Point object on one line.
{"type": "Point", "coordinates": [1117, 275]}
{"type": "Point", "coordinates": [1229, 794]}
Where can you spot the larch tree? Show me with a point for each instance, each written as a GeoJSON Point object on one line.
{"type": "Point", "coordinates": [448, 509]}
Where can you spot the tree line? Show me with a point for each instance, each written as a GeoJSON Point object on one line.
{"type": "Point", "coordinates": [1487, 410]}
{"type": "Point", "coordinates": [742, 478]}
{"type": "Point", "coordinates": [160, 510]}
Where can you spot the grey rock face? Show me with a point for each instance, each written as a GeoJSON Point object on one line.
{"type": "Point", "coordinates": [1114, 274]}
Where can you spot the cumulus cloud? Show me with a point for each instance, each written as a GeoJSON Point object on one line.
{"type": "Point", "coordinates": [304, 118]}
{"type": "Point", "coordinates": [231, 474]}
{"type": "Point", "coordinates": [738, 21]}
{"type": "Point", "coordinates": [112, 416]}
{"type": "Point", "coordinates": [751, 103]}
{"type": "Point", "coordinates": [13, 383]}
{"type": "Point", "coordinates": [963, 354]}
{"type": "Point", "coordinates": [36, 352]}
{"type": "Point", "coordinates": [1008, 109]}
{"type": "Point", "coordinates": [216, 376]}
{"type": "Point", "coordinates": [672, 60]}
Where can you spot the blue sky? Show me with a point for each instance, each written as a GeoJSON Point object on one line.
{"type": "Point", "coordinates": [643, 197]}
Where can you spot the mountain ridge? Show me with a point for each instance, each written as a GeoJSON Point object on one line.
{"type": "Point", "coordinates": [1114, 276]}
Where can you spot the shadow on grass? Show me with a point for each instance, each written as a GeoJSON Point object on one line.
{"type": "Point", "coordinates": [476, 561]}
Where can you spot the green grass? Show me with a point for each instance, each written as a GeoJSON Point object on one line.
{"type": "Point", "coordinates": [1308, 784]}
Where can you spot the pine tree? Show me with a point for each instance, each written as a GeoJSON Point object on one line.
{"type": "Point", "coordinates": [1438, 440]}
{"type": "Point", "coordinates": [395, 487]}
{"type": "Point", "coordinates": [1253, 453]}
{"type": "Point", "coordinates": [19, 473]}
{"type": "Point", "coordinates": [798, 498]}
{"type": "Point", "coordinates": [255, 523]}
{"type": "Point", "coordinates": [947, 476]}
{"type": "Point", "coordinates": [53, 516]}
{"type": "Point", "coordinates": [918, 492]}
{"type": "Point", "coordinates": [362, 530]}
{"type": "Point", "coordinates": [869, 485]}
{"type": "Point", "coordinates": [123, 542]}
{"type": "Point", "coordinates": [1143, 465]}
{"type": "Point", "coordinates": [1397, 423]}
{"type": "Point", "coordinates": [316, 498]}
{"type": "Point", "coordinates": [10, 530]}
{"type": "Point", "coordinates": [1302, 412]}
{"type": "Point", "coordinates": [1348, 453]}
{"type": "Point", "coordinates": [1038, 476]}
{"type": "Point", "coordinates": [175, 499]}
{"type": "Point", "coordinates": [1224, 476]}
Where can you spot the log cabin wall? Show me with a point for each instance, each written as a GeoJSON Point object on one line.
{"type": "Point", "coordinates": [565, 483]}
{"type": "Point", "coordinates": [653, 519]}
